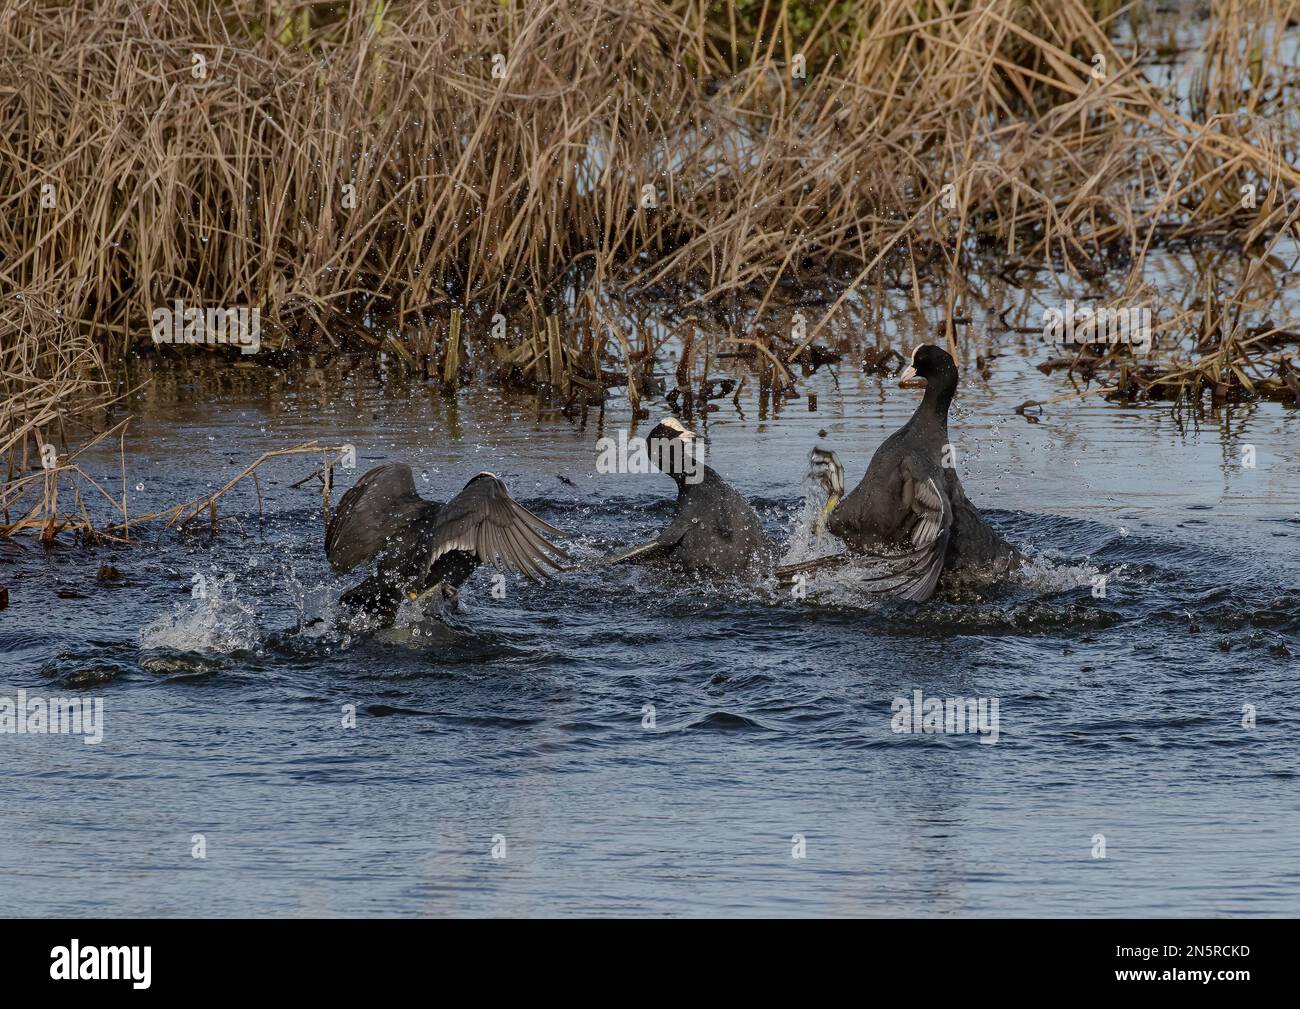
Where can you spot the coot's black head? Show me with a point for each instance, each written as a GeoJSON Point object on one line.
{"type": "Point", "coordinates": [936, 366]}
{"type": "Point", "coordinates": [671, 447]}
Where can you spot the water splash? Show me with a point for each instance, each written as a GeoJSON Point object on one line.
{"type": "Point", "coordinates": [219, 622]}
{"type": "Point", "coordinates": [804, 543]}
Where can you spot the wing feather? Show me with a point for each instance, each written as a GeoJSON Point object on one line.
{"type": "Point", "coordinates": [486, 523]}
{"type": "Point", "coordinates": [912, 574]}
{"type": "Point", "coordinates": [380, 513]}
{"type": "Point", "coordinates": [653, 551]}
{"type": "Point", "coordinates": [516, 555]}
{"type": "Point", "coordinates": [657, 549]}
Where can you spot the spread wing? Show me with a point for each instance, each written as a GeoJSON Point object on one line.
{"type": "Point", "coordinates": [381, 513]}
{"type": "Point", "coordinates": [657, 549]}
{"type": "Point", "coordinates": [643, 554]}
{"type": "Point", "coordinates": [913, 574]}
{"type": "Point", "coordinates": [931, 523]}
{"type": "Point", "coordinates": [483, 524]}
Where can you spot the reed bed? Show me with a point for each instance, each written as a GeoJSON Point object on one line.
{"type": "Point", "coordinates": [229, 187]}
{"type": "Point", "coordinates": [461, 184]}
{"type": "Point", "coordinates": [52, 382]}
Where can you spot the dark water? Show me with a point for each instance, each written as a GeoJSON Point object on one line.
{"type": "Point", "coordinates": [523, 717]}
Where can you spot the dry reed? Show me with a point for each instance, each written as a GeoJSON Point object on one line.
{"type": "Point", "coordinates": [359, 172]}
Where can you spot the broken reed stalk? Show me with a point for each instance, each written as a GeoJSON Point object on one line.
{"type": "Point", "coordinates": [554, 354]}
{"type": "Point", "coordinates": [451, 363]}
{"type": "Point", "coordinates": [185, 513]}
{"type": "Point", "coordinates": [46, 517]}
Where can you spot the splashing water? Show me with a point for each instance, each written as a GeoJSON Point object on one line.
{"type": "Point", "coordinates": [587, 719]}
{"type": "Point", "coordinates": [221, 621]}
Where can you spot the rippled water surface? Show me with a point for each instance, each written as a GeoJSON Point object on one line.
{"type": "Point", "coordinates": [522, 718]}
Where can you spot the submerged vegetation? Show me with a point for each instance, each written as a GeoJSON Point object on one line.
{"type": "Point", "coordinates": [466, 185]}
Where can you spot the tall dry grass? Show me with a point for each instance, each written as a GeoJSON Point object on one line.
{"type": "Point", "coordinates": [229, 188]}
{"type": "Point", "coordinates": [50, 373]}
{"type": "Point", "coordinates": [361, 174]}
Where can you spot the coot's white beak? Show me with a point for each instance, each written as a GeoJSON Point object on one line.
{"type": "Point", "coordinates": [909, 379]}
{"type": "Point", "coordinates": [680, 431]}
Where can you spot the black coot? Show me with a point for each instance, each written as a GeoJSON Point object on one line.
{"type": "Point", "coordinates": [419, 545]}
{"type": "Point", "coordinates": [714, 529]}
{"type": "Point", "coordinates": [910, 510]}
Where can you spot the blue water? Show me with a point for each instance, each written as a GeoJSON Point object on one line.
{"type": "Point", "coordinates": [522, 718]}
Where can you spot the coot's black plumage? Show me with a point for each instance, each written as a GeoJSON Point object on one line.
{"type": "Point", "coordinates": [418, 545]}
{"type": "Point", "coordinates": [910, 509]}
{"type": "Point", "coordinates": [714, 529]}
